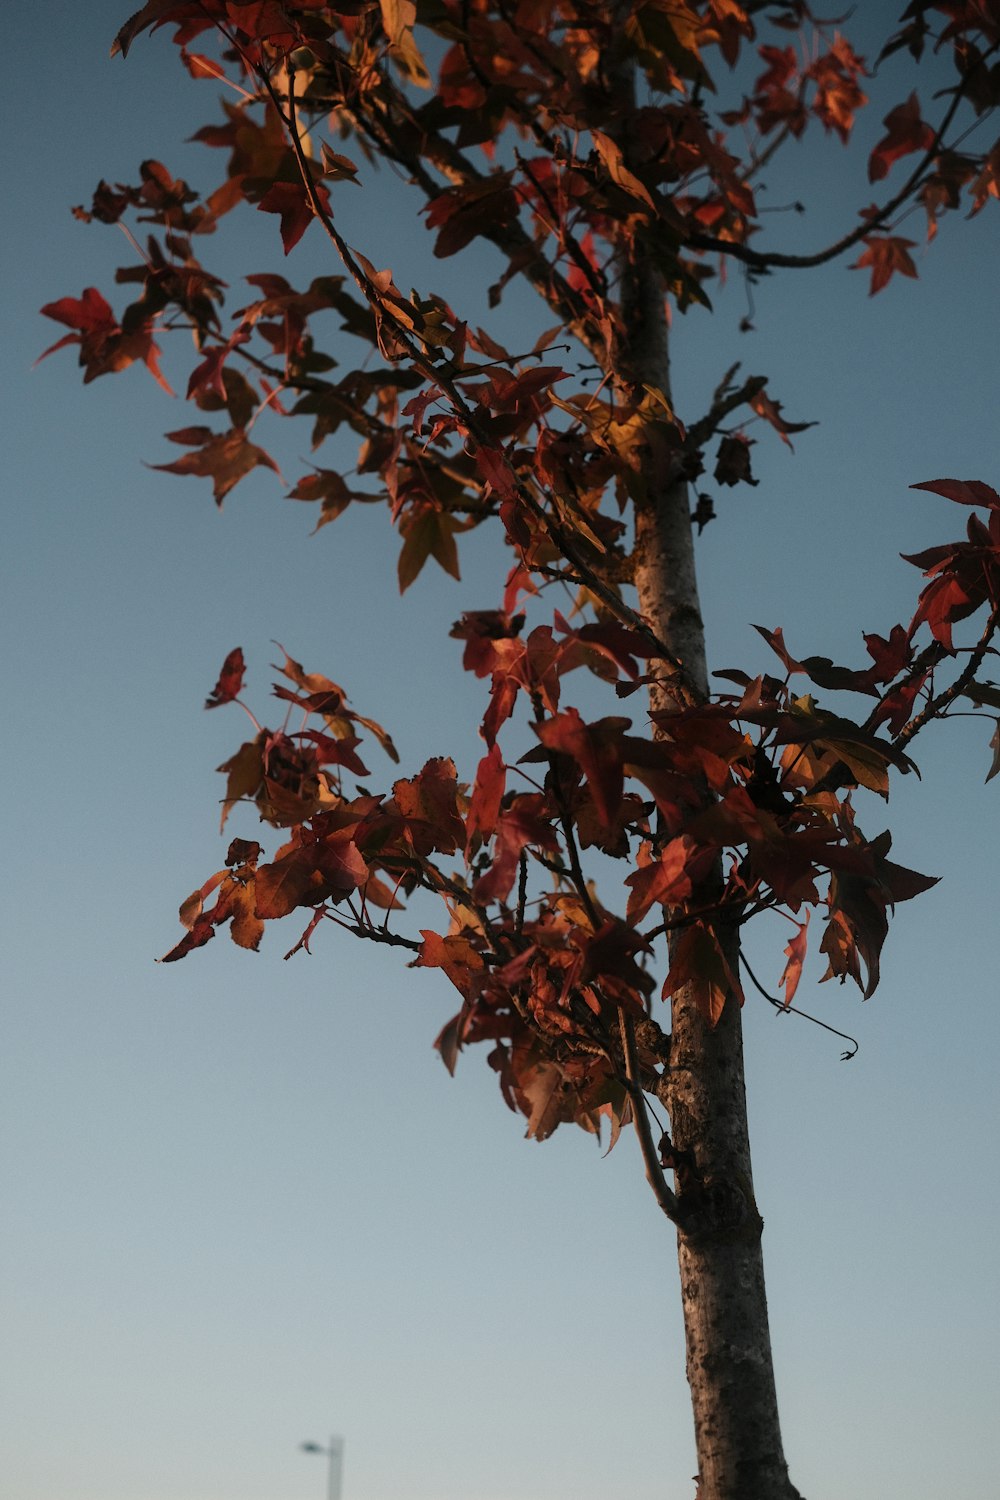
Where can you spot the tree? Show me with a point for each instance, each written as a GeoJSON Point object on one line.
{"type": "Point", "coordinates": [580, 143]}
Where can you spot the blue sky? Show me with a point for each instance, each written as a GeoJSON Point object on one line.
{"type": "Point", "coordinates": [246, 1205]}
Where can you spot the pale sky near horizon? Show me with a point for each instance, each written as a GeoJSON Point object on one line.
{"type": "Point", "coordinates": [245, 1205]}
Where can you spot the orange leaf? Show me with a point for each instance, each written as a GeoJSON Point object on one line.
{"type": "Point", "coordinates": [886, 254]}
{"type": "Point", "coordinates": [795, 951]}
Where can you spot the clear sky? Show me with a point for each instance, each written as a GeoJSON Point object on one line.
{"type": "Point", "coordinates": [245, 1205]}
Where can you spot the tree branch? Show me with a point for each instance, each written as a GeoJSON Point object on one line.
{"type": "Point", "coordinates": [664, 1195]}
{"type": "Point", "coordinates": [723, 403]}
{"type": "Point", "coordinates": [763, 260]}
{"type": "Point", "coordinates": [936, 706]}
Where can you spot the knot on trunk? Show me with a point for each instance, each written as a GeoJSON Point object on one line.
{"type": "Point", "coordinates": [721, 1209]}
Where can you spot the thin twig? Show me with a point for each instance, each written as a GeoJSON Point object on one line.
{"type": "Point", "coordinates": [764, 260]}
{"type": "Point", "coordinates": [936, 706]}
{"type": "Point", "coordinates": [664, 1195]}
{"type": "Point", "coordinates": [781, 1006]}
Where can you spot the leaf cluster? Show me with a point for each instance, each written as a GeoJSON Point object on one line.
{"type": "Point", "coordinates": [579, 141]}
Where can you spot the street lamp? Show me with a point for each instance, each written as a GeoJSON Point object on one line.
{"type": "Point", "coordinates": [335, 1454]}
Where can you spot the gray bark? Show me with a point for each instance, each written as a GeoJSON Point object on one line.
{"type": "Point", "coordinates": [729, 1364]}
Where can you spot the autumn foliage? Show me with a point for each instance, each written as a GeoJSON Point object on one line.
{"type": "Point", "coordinates": [513, 122]}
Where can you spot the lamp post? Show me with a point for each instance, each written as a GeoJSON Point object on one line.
{"type": "Point", "coordinates": [335, 1455]}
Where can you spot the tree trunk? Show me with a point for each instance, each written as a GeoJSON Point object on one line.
{"type": "Point", "coordinates": [729, 1363]}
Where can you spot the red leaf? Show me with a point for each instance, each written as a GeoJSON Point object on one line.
{"type": "Point", "coordinates": [230, 683]}
{"type": "Point", "coordinates": [429, 805]}
{"type": "Point", "coordinates": [292, 202]}
{"type": "Point", "coordinates": [670, 879]}
{"type": "Point", "coordinates": [309, 871]}
{"type": "Point", "coordinates": [105, 347]}
{"type": "Point", "coordinates": [962, 491]}
{"type": "Point", "coordinates": [484, 807]}
{"type": "Point", "coordinates": [517, 826]}
{"type": "Point", "coordinates": [208, 376]}
{"type": "Point", "coordinates": [495, 469]}
{"type": "Point", "coordinates": [776, 640]}
{"type": "Point", "coordinates": [427, 532]}
{"type": "Point", "coordinates": [886, 254]}
{"type": "Point", "coordinates": [456, 955]}
{"type": "Point", "coordinates": [890, 656]}
{"type": "Point", "coordinates": [795, 951]}
{"type": "Point", "coordinates": [87, 313]}
{"type": "Point", "coordinates": [907, 132]}
{"type": "Point", "coordinates": [153, 14]}
{"type": "Point", "coordinates": [597, 749]}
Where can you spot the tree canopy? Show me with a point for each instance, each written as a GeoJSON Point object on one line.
{"type": "Point", "coordinates": [598, 857]}
{"type": "Point", "coordinates": [531, 137]}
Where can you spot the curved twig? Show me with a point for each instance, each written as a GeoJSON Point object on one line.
{"type": "Point", "coordinates": [763, 260]}
{"type": "Point", "coordinates": [781, 1006]}
{"type": "Point", "coordinates": [662, 1192]}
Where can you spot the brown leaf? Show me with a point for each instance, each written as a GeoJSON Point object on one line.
{"type": "Point", "coordinates": [309, 871]}
{"type": "Point", "coordinates": [795, 952]}
{"type": "Point", "coordinates": [245, 774]}
{"type": "Point", "coordinates": [223, 457]}
{"type": "Point", "coordinates": [771, 412]}
{"type": "Point", "coordinates": [230, 683]}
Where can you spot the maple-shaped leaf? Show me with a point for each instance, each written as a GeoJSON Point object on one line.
{"type": "Point", "coordinates": [518, 826]}
{"type": "Point", "coordinates": [153, 14]}
{"type": "Point", "coordinates": [838, 95]}
{"type": "Point", "coordinates": [896, 708]}
{"type": "Point", "coordinates": [429, 805]}
{"type": "Point", "coordinates": [330, 488]}
{"type": "Point", "coordinates": [428, 532]}
{"type": "Point", "coordinates": [105, 346]}
{"type": "Point", "coordinates": [493, 466]}
{"type": "Point", "coordinates": [323, 864]}
{"type": "Point", "coordinates": [609, 957]}
{"type": "Point", "coordinates": [460, 214]}
{"type": "Point", "coordinates": [906, 132]}
{"type": "Point", "coordinates": [890, 656]}
{"type": "Point", "coordinates": [944, 601]}
{"type": "Point", "coordinates": [886, 254]}
{"type": "Point", "coordinates": [210, 375]}
{"type": "Point", "coordinates": [458, 956]}
{"type": "Point", "coordinates": [543, 1099]}
{"type": "Point", "coordinates": [611, 155]}
{"type": "Point", "coordinates": [670, 879]}
{"type": "Point", "coordinates": [597, 749]}
{"type": "Point", "coordinates": [234, 903]}
{"type": "Point", "coordinates": [857, 929]}
{"type": "Point", "coordinates": [223, 457]}
{"type": "Point", "coordinates": [292, 202]}
{"type": "Point", "coordinates": [337, 168]}
{"type": "Point", "coordinates": [230, 681]}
